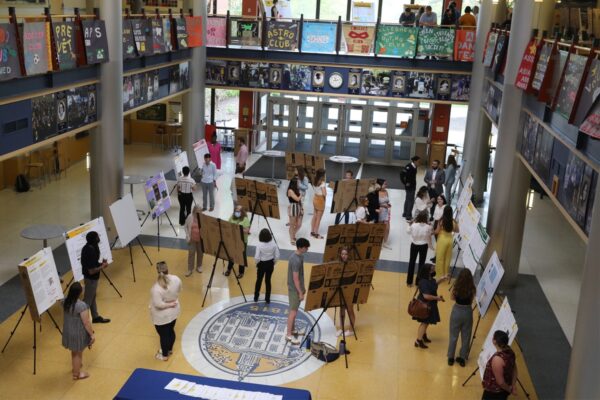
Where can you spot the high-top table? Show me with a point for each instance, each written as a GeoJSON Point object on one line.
{"type": "Point", "coordinates": [135, 180]}
{"type": "Point", "coordinates": [43, 232]}
{"type": "Point", "coordinates": [343, 160]}
{"type": "Point", "coordinates": [273, 154]}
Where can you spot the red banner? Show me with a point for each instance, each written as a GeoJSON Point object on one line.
{"type": "Point", "coordinates": [526, 66]}
{"type": "Point", "coordinates": [591, 125]}
{"type": "Point", "coordinates": [194, 31]}
{"type": "Point", "coordinates": [464, 45]}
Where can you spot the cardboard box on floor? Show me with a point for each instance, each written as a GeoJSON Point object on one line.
{"type": "Point", "coordinates": [250, 191]}
{"type": "Point", "coordinates": [213, 229]}
{"type": "Point", "coordinates": [363, 241]}
{"type": "Point", "coordinates": [347, 192]}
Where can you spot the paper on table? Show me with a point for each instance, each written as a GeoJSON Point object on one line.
{"type": "Point", "coordinates": [196, 390]}
{"type": "Point", "coordinates": [175, 384]}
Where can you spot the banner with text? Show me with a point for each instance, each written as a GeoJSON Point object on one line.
{"type": "Point", "coordinates": [9, 57]}
{"type": "Point", "coordinates": [359, 39]}
{"type": "Point", "coordinates": [524, 72]}
{"type": "Point", "coordinates": [216, 28]}
{"type": "Point", "coordinates": [464, 45]}
{"type": "Point", "coordinates": [436, 42]}
{"type": "Point", "coordinates": [394, 40]}
{"type": "Point", "coordinates": [194, 31]}
{"type": "Point", "coordinates": [36, 47]}
{"type": "Point", "coordinates": [282, 35]}
{"type": "Point", "coordinates": [318, 37]}
{"type": "Point", "coordinates": [96, 45]}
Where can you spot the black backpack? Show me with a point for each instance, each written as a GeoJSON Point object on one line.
{"type": "Point", "coordinates": [21, 184]}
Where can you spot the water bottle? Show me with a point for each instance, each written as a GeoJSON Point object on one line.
{"type": "Point", "coordinates": [308, 341]}
{"type": "Point", "coordinates": [342, 347]}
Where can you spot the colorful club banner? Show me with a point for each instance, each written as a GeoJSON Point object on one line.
{"type": "Point", "coordinates": [94, 38]}
{"type": "Point", "coordinates": [464, 45]}
{"type": "Point", "coordinates": [216, 28]}
{"type": "Point", "coordinates": [591, 125]}
{"type": "Point", "coordinates": [589, 94]}
{"type": "Point", "coordinates": [524, 73]}
{"type": "Point", "coordinates": [194, 30]}
{"type": "Point", "coordinates": [437, 42]}
{"type": "Point", "coordinates": [282, 35]}
{"type": "Point", "coordinates": [566, 96]}
{"type": "Point", "coordinates": [64, 40]}
{"type": "Point", "coordinates": [394, 40]}
{"type": "Point", "coordinates": [9, 57]}
{"type": "Point", "coordinates": [36, 47]}
{"type": "Point", "coordinates": [490, 49]}
{"type": "Point", "coordinates": [318, 37]}
{"type": "Point", "coordinates": [359, 38]}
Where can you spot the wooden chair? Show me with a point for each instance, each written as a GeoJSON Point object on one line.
{"type": "Point", "coordinates": [36, 163]}
{"type": "Point", "coordinates": [160, 133]}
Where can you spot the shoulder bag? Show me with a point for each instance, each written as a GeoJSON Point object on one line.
{"type": "Point", "coordinates": [418, 308]}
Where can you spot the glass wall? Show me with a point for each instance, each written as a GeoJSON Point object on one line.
{"type": "Point", "coordinates": [390, 12]}
{"type": "Point", "coordinates": [308, 8]}
{"type": "Point", "coordinates": [332, 9]}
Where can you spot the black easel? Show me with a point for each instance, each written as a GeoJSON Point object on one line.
{"type": "Point", "coordinates": [258, 205]}
{"type": "Point", "coordinates": [34, 333]}
{"type": "Point", "coordinates": [158, 225]}
{"type": "Point", "coordinates": [131, 253]}
{"type": "Point", "coordinates": [339, 292]}
{"type": "Point", "coordinates": [212, 273]}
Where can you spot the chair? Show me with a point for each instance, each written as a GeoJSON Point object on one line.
{"type": "Point", "coordinates": [175, 136]}
{"type": "Point", "coordinates": [37, 165]}
{"type": "Point", "coordinates": [160, 133]}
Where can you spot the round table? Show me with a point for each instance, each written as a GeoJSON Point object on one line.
{"type": "Point", "coordinates": [343, 160]}
{"type": "Point", "coordinates": [135, 180]}
{"type": "Point", "coordinates": [43, 232]}
{"type": "Point", "coordinates": [273, 154]}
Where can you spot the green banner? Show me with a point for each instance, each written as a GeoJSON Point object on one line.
{"type": "Point", "coordinates": [438, 42]}
{"type": "Point", "coordinates": [394, 40]}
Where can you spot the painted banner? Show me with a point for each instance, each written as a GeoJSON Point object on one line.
{"type": "Point", "coordinates": [64, 40]}
{"type": "Point", "coordinates": [282, 35]}
{"type": "Point", "coordinates": [544, 72]}
{"type": "Point", "coordinates": [464, 45]}
{"type": "Point", "coordinates": [94, 38]}
{"type": "Point", "coordinates": [526, 67]}
{"type": "Point", "coordinates": [359, 38]}
{"type": "Point", "coordinates": [591, 125]}
{"type": "Point", "coordinates": [244, 32]}
{"type": "Point", "coordinates": [9, 57]}
{"type": "Point", "coordinates": [142, 35]}
{"type": "Point", "coordinates": [35, 47]}
{"type": "Point", "coordinates": [128, 41]}
{"type": "Point", "coordinates": [395, 40]}
{"type": "Point", "coordinates": [566, 96]}
{"type": "Point", "coordinates": [194, 30]}
{"type": "Point", "coordinates": [437, 42]}
{"type": "Point", "coordinates": [158, 36]}
{"type": "Point", "coordinates": [490, 49]}
{"type": "Point", "coordinates": [216, 28]}
{"type": "Point", "coordinates": [181, 34]}
{"type": "Point", "coordinates": [589, 94]}
{"type": "Point", "coordinates": [319, 37]}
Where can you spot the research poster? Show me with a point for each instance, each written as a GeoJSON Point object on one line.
{"type": "Point", "coordinates": [505, 321]}
{"type": "Point", "coordinates": [465, 195]}
{"type": "Point", "coordinates": [43, 278]}
{"type": "Point", "coordinates": [467, 221]}
{"type": "Point", "coordinates": [471, 255]}
{"type": "Point", "coordinates": [180, 160]}
{"type": "Point", "coordinates": [76, 240]}
{"type": "Point", "coordinates": [490, 279]}
{"type": "Point", "coordinates": [157, 195]}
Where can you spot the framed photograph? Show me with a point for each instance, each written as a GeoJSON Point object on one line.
{"type": "Point", "coordinates": [275, 76]}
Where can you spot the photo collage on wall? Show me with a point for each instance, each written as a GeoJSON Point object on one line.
{"type": "Point", "coordinates": [355, 81]}
{"type": "Point", "coordinates": [146, 87]}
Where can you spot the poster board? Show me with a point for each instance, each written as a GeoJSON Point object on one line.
{"type": "Point", "coordinates": [142, 35]}
{"type": "Point", "coordinates": [179, 161]}
{"type": "Point", "coordinates": [468, 219]}
{"type": "Point", "coordinates": [367, 241]}
{"type": "Point", "coordinates": [216, 29]}
{"type": "Point", "coordinates": [181, 34]}
{"type": "Point", "coordinates": [505, 321]}
{"type": "Point", "coordinates": [41, 282]}
{"type": "Point", "coordinates": [249, 191]}
{"type": "Point", "coordinates": [9, 62]}
{"type": "Point", "coordinates": [359, 39]}
{"type": "Point", "coordinates": [465, 195]}
{"type": "Point", "coordinates": [94, 39]}
{"type": "Point", "coordinates": [490, 49]}
{"type": "Point", "coordinates": [472, 254]}
{"type": "Point", "coordinates": [490, 279]}
{"type": "Point", "coordinates": [526, 66]}
{"type": "Point", "coordinates": [589, 94]}
{"type": "Point", "coordinates": [211, 230]}
{"type": "Point", "coordinates": [194, 31]}
{"type": "Point", "coordinates": [355, 284]}
{"type": "Point", "coordinates": [76, 240]}
{"type": "Point", "coordinates": [200, 149]}
{"type": "Point", "coordinates": [363, 11]}
{"type": "Point", "coordinates": [347, 192]}
{"type": "Point", "coordinates": [126, 220]}
{"type": "Point", "coordinates": [309, 162]}
{"type": "Point", "coordinates": [464, 45]}
{"type": "Point", "coordinates": [244, 32]}
{"type": "Point", "coordinates": [157, 195]}
{"type": "Point", "coordinates": [36, 47]}
{"type": "Point", "coordinates": [395, 40]}
{"type": "Point", "coordinates": [566, 95]}
{"type": "Point", "coordinates": [282, 35]}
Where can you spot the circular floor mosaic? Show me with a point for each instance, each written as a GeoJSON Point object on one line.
{"type": "Point", "coordinates": [246, 341]}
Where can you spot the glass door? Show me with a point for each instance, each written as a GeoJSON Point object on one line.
{"type": "Point", "coordinates": [304, 126]}
{"type": "Point", "coordinates": [354, 128]}
{"type": "Point", "coordinates": [378, 144]}
{"type": "Point", "coordinates": [278, 123]}
{"type": "Point", "coordinates": [329, 129]}
{"type": "Point", "coordinates": [404, 124]}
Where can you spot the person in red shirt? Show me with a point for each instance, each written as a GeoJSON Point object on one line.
{"type": "Point", "coordinates": [500, 373]}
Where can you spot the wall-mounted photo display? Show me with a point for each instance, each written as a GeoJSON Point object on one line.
{"type": "Point", "coordinates": [194, 31]}
{"type": "Point", "coordinates": [530, 135]}
{"type": "Point", "coordinates": [158, 36]}
{"type": "Point", "coordinates": [139, 93]}
{"type": "Point", "coordinates": [461, 87]}
{"type": "Point", "coordinates": [354, 75]}
{"type": "Point", "coordinates": [233, 73]}
{"type": "Point", "coordinates": [420, 85]}
{"type": "Point", "coordinates": [128, 93]}
{"type": "Point", "coordinates": [244, 32]}
{"type": "Point", "coordinates": [275, 76]}
{"type": "Point", "coordinates": [300, 78]}
{"type": "Point", "coordinates": [436, 42]}
{"type": "Point", "coordinates": [398, 87]}
{"type": "Point", "coordinates": [443, 86]}
{"type": "Point", "coordinates": [62, 124]}
{"type": "Point", "coordinates": [92, 104]}
{"type": "Point", "coordinates": [566, 95]}
{"type": "Point", "coordinates": [94, 39]}
{"type": "Point", "coordinates": [591, 197]}
{"type": "Point", "coordinates": [184, 76]}
{"type": "Point", "coordinates": [43, 117]}
{"type": "Point", "coordinates": [151, 85]}
{"type": "Point", "coordinates": [181, 34]}
{"type": "Point", "coordinates": [395, 40]}
{"type": "Point", "coordinates": [282, 35]}
{"type": "Point", "coordinates": [216, 29]}
{"type": "Point", "coordinates": [318, 37]}
{"type": "Point", "coordinates": [36, 47]}
{"type": "Point", "coordinates": [174, 79]}
{"type": "Point", "coordinates": [215, 72]}
{"type": "Point", "coordinates": [81, 106]}
{"type": "Point", "coordinates": [168, 38]}
{"type": "Point", "coordinates": [129, 48]}
{"type": "Point", "coordinates": [572, 193]}
{"type": "Point", "coordinates": [375, 82]}
{"type": "Point", "coordinates": [142, 35]}
{"type": "Point", "coordinates": [542, 156]}
{"type": "Point", "coordinates": [255, 75]}
{"type": "Point", "coordinates": [9, 62]}
{"type": "Point", "coordinates": [318, 79]}
{"type": "Point", "coordinates": [64, 40]}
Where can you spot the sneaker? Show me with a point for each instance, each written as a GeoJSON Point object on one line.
{"type": "Point", "coordinates": [199, 269]}
{"type": "Point", "coordinates": [160, 357]}
{"type": "Point", "coordinates": [338, 333]}
{"type": "Point", "coordinates": [292, 340]}
{"type": "Point", "coordinates": [189, 273]}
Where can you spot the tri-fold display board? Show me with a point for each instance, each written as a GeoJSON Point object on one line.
{"type": "Point", "coordinates": [250, 191]}
{"type": "Point", "coordinates": [347, 194]}
{"type": "Point", "coordinates": [363, 241]}
{"type": "Point", "coordinates": [215, 230]}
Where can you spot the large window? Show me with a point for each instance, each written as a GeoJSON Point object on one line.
{"type": "Point", "coordinates": [332, 9]}
{"type": "Point", "coordinates": [227, 107]}
{"type": "Point", "coordinates": [390, 11]}
{"type": "Point", "coordinates": [306, 7]}
{"type": "Point", "coordinates": [234, 7]}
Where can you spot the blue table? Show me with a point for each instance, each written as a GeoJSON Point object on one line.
{"type": "Point", "coordinates": [149, 384]}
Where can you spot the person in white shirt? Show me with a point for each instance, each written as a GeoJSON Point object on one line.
{"type": "Point", "coordinates": [267, 253]}
{"type": "Point", "coordinates": [192, 235]}
{"type": "Point", "coordinates": [362, 212]}
{"type": "Point", "coordinates": [438, 210]}
{"type": "Point", "coordinates": [420, 234]}
{"type": "Point", "coordinates": [164, 308]}
{"type": "Point", "coordinates": [185, 186]}
{"type": "Point", "coordinates": [208, 182]}
{"type": "Point", "coordinates": [422, 202]}
{"type": "Point", "coordinates": [241, 157]}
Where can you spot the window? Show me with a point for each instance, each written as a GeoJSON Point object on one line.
{"type": "Point", "coordinates": [227, 107]}
{"type": "Point", "coordinates": [332, 9]}
{"type": "Point", "coordinates": [234, 7]}
{"type": "Point", "coordinates": [390, 11]}
{"type": "Point", "coordinates": [306, 7]}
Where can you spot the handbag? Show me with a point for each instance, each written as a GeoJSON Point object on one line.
{"type": "Point", "coordinates": [418, 308]}
{"type": "Point", "coordinates": [324, 351]}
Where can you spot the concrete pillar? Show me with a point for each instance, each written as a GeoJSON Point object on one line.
{"type": "Point", "coordinates": [193, 101]}
{"type": "Point", "coordinates": [583, 382]}
{"type": "Point", "coordinates": [506, 218]}
{"type": "Point", "coordinates": [107, 154]}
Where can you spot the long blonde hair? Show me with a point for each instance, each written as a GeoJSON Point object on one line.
{"type": "Point", "coordinates": [162, 279]}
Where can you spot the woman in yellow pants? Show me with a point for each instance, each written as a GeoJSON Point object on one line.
{"type": "Point", "coordinates": [443, 250]}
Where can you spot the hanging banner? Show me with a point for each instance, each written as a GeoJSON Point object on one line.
{"type": "Point", "coordinates": [500, 55]}
{"type": "Point", "coordinates": [566, 96]}
{"type": "Point", "coordinates": [591, 125]}
{"type": "Point", "coordinates": [464, 45]}
{"type": "Point", "coordinates": [158, 36]}
{"type": "Point", "coordinates": [244, 32]}
{"type": "Point", "coordinates": [181, 34]}
{"type": "Point", "coordinates": [359, 38]}
{"type": "Point", "coordinates": [490, 49]}
{"type": "Point", "coordinates": [318, 37]}
{"type": "Point", "coordinates": [9, 57]}
{"type": "Point", "coordinates": [436, 42]}
{"type": "Point", "coordinates": [282, 35]}
{"type": "Point", "coordinates": [167, 27]}
{"type": "Point", "coordinates": [128, 41]}
{"type": "Point", "coordinates": [524, 72]}
{"type": "Point", "coordinates": [544, 72]}
{"type": "Point", "coordinates": [142, 35]}
{"type": "Point", "coordinates": [194, 31]}
{"type": "Point", "coordinates": [589, 94]}
{"type": "Point", "coordinates": [36, 47]}
{"type": "Point", "coordinates": [395, 40]}
{"type": "Point", "coordinates": [216, 28]}
{"type": "Point", "coordinates": [96, 45]}
{"type": "Point", "coordinates": [64, 40]}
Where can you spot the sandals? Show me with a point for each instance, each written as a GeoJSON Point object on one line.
{"type": "Point", "coordinates": [316, 235]}
{"type": "Point", "coordinates": [82, 375]}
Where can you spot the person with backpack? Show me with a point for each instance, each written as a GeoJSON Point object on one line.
{"type": "Point", "coordinates": [408, 176]}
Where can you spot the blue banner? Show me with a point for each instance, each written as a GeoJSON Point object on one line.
{"type": "Point", "coordinates": [318, 37]}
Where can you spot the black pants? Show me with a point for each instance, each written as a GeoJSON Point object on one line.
{"type": "Point", "coordinates": [433, 194]}
{"type": "Point", "coordinates": [167, 337]}
{"type": "Point", "coordinates": [185, 206]}
{"type": "Point", "coordinates": [230, 267]}
{"type": "Point", "coordinates": [338, 218]}
{"type": "Point", "coordinates": [265, 270]}
{"type": "Point", "coordinates": [421, 251]}
{"type": "Point", "coordinates": [503, 395]}
{"type": "Point", "coordinates": [409, 202]}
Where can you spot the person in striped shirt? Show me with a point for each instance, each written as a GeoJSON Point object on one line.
{"type": "Point", "coordinates": [185, 186]}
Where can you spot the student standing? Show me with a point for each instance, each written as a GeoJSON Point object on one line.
{"type": "Point", "coordinates": [214, 149]}
{"type": "Point", "coordinates": [461, 317]}
{"type": "Point", "coordinates": [239, 217]}
{"type": "Point", "coordinates": [362, 211]}
{"type": "Point", "coordinates": [91, 267]}
{"type": "Point", "coordinates": [435, 178]}
{"type": "Point", "coordinates": [295, 210]}
{"type": "Point", "coordinates": [185, 186]}
{"type": "Point", "coordinates": [450, 175]}
{"type": "Point", "coordinates": [500, 375]}
{"type": "Point", "coordinates": [443, 248]}
{"type": "Point", "coordinates": [422, 202]}
{"type": "Point", "coordinates": [348, 175]}
{"type": "Point", "coordinates": [384, 210]}
{"type": "Point", "coordinates": [319, 200]}
{"type": "Point", "coordinates": [408, 176]}
{"type": "Point", "coordinates": [164, 308]}
{"type": "Point", "coordinates": [296, 289]}
{"type": "Point", "coordinates": [267, 253]}
{"type": "Point", "coordinates": [420, 240]}
{"type": "Point", "coordinates": [208, 182]}
{"type": "Point", "coordinates": [192, 235]}
{"type": "Point", "coordinates": [428, 286]}
{"type": "Point", "coordinates": [373, 197]}
{"type": "Point", "coordinates": [274, 11]}
{"type": "Point", "coordinates": [241, 157]}
{"type": "Point", "coordinates": [468, 19]}
{"type": "Point", "coordinates": [77, 331]}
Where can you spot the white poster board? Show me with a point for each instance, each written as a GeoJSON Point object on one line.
{"type": "Point", "coordinates": [363, 11]}
{"type": "Point", "coordinates": [505, 321]}
{"type": "Point", "coordinates": [467, 222]}
{"type": "Point", "coordinates": [200, 149]}
{"type": "Point", "coordinates": [465, 195]}
{"type": "Point", "coordinates": [43, 278]}
{"type": "Point", "coordinates": [126, 220]}
{"type": "Point", "coordinates": [180, 160]}
{"type": "Point", "coordinates": [472, 254]}
{"type": "Point", "coordinates": [490, 279]}
{"type": "Point", "coordinates": [283, 7]}
{"type": "Point", "coordinates": [76, 240]}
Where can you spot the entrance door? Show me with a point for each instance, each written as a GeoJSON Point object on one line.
{"type": "Point", "coordinates": [329, 129]}
{"type": "Point", "coordinates": [279, 123]}
{"type": "Point", "coordinates": [378, 144]}
{"type": "Point", "coordinates": [354, 128]}
{"type": "Point", "coordinates": [405, 127]}
{"type": "Point", "coordinates": [304, 126]}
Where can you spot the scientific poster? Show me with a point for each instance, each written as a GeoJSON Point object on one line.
{"type": "Point", "coordinates": [179, 161]}
{"type": "Point", "coordinates": [216, 28]}
{"type": "Point", "coordinates": [181, 33]}
{"type": "Point", "coordinates": [64, 40]}
{"type": "Point", "coordinates": [157, 195]}
{"type": "Point", "coordinates": [318, 37]}
{"type": "Point", "coordinates": [436, 42]}
{"type": "Point", "coordinates": [358, 39]}
{"type": "Point", "coordinates": [36, 47]}
{"type": "Point", "coordinates": [464, 45]}
{"type": "Point", "coordinates": [43, 279]}
{"type": "Point", "coordinates": [43, 117]}
{"type": "Point", "coordinates": [76, 241]}
{"type": "Point", "coordinates": [126, 220]}
{"type": "Point", "coordinates": [375, 82]}
{"type": "Point", "coordinates": [420, 85]}
{"type": "Point", "coordinates": [395, 40]}
{"type": "Point", "coordinates": [282, 35]}
{"type": "Point", "coordinates": [200, 149]}
{"type": "Point", "coordinates": [471, 256]}
{"type": "Point", "coordinates": [468, 220]}
{"type": "Point", "coordinates": [9, 62]}
{"type": "Point", "coordinates": [486, 288]}
{"type": "Point", "coordinates": [96, 45]}
{"type": "Point", "coordinates": [129, 50]}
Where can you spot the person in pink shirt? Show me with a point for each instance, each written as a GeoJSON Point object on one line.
{"type": "Point", "coordinates": [214, 148]}
{"type": "Point", "coordinates": [242, 157]}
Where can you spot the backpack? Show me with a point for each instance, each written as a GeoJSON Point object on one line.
{"type": "Point", "coordinates": [21, 184]}
{"type": "Point", "coordinates": [324, 351]}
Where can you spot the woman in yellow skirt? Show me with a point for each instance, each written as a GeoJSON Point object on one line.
{"type": "Point", "coordinates": [443, 251]}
